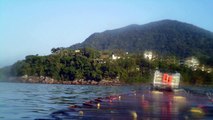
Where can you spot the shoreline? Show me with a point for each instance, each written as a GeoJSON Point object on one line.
{"type": "Point", "coordinates": [48, 80]}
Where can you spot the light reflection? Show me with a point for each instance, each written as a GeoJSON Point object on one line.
{"type": "Point", "coordinates": [119, 97]}
{"type": "Point", "coordinates": [134, 115]}
{"type": "Point", "coordinates": [197, 112]}
{"type": "Point", "coordinates": [157, 92]}
{"type": "Point", "coordinates": [142, 97]}
{"type": "Point", "coordinates": [179, 98]}
{"type": "Point", "coordinates": [81, 113]}
{"type": "Point", "coordinates": [98, 106]}
{"type": "Point", "coordinates": [167, 104]}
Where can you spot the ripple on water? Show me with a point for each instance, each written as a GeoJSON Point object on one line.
{"type": "Point", "coordinates": [30, 101]}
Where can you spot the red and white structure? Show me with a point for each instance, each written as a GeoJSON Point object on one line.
{"type": "Point", "coordinates": [166, 80]}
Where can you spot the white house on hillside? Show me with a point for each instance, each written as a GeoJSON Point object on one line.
{"type": "Point", "coordinates": [77, 51]}
{"type": "Point", "coordinates": [115, 57]}
{"type": "Point", "coordinates": [148, 55]}
{"type": "Point", "coordinates": [192, 62]}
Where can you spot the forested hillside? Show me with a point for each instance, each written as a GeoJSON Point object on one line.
{"type": "Point", "coordinates": [166, 37]}
{"type": "Point", "coordinates": [89, 64]}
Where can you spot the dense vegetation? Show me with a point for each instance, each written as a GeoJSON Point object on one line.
{"type": "Point", "coordinates": [172, 40]}
{"type": "Point", "coordinates": [70, 65]}
{"type": "Point", "coordinates": [166, 37]}
{"type": "Point", "coordinates": [87, 64]}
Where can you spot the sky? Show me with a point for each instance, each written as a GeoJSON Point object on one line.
{"type": "Point", "coordinates": [30, 27]}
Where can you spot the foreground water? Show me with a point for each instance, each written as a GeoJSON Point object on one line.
{"type": "Point", "coordinates": [31, 101]}
{"type": "Point", "coordinates": [35, 101]}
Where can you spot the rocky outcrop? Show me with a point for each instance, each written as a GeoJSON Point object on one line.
{"type": "Point", "coordinates": [109, 82]}
{"type": "Point", "coordinates": [48, 80]}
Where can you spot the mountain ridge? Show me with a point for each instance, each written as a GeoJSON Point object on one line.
{"type": "Point", "coordinates": [169, 37]}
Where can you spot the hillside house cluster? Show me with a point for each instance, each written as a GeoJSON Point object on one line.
{"type": "Point", "coordinates": [148, 55]}
{"type": "Point", "coordinates": [192, 62]}
{"type": "Point", "coordinates": [115, 57]}
{"type": "Point", "coordinates": [77, 51]}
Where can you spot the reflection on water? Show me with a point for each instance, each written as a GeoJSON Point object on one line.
{"type": "Point", "coordinates": [163, 104]}
{"type": "Point", "coordinates": [142, 104]}
{"type": "Point", "coordinates": [30, 101]}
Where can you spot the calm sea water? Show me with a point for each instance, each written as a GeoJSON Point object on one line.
{"type": "Point", "coordinates": [31, 101]}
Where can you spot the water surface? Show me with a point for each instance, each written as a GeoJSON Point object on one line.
{"type": "Point", "coordinates": [31, 101]}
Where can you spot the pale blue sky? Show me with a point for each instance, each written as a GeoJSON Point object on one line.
{"type": "Point", "coordinates": [29, 27]}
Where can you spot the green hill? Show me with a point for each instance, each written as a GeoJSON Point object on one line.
{"type": "Point", "coordinates": [167, 37]}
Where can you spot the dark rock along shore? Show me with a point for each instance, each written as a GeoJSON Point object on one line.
{"type": "Point", "coordinates": [48, 80]}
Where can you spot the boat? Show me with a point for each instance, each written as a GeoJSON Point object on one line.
{"type": "Point", "coordinates": [165, 81]}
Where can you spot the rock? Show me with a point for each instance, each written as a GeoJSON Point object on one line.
{"type": "Point", "coordinates": [24, 77]}
{"type": "Point", "coordinates": [48, 80]}
{"type": "Point", "coordinates": [42, 77]}
{"type": "Point", "coordinates": [94, 82]}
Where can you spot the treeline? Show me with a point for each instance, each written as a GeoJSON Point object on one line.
{"type": "Point", "coordinates": [66, 64]}
{"type": "Point", "coordinates": [87, 64]}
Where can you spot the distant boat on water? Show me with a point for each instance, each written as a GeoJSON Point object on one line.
{"type": "Point", "coordinates": [165, 81]}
